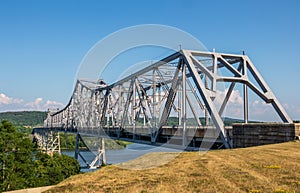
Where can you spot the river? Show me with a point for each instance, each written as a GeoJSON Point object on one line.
{"type": "Point", "coordinates": [131, 152]}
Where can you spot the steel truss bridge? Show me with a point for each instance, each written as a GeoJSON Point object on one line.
{"type": "Point", "coordinates": [163, 102]}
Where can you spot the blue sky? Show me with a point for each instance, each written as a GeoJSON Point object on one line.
{"type": "Point", "coordinates": [43, 42]}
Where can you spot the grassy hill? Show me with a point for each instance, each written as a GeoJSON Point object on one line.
{"type": "Point", "coordinates": [270, 168]}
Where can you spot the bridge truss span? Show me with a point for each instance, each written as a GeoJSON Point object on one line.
{"type": "Point", "coordinates": [163, 102]}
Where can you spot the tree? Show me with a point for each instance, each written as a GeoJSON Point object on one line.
{"type": "Point", "coordinates": [15, 158]}
{"type": "Point", "coordinates": [53, 169]}
{"type": "Point", "coordinates": [21, 168]}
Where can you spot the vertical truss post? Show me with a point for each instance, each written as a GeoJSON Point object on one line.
{"type": "Point", "coordinates": [133, 106]}
{"type": "Point", "coordinates": [206, 110]}
{"type": "Point", "coordinates": [159, 99]}
{"type": "Point", "coordinates": [184, 117]}
{"type": "Point", "coordinates": [245, 103]}
{"type": "Point", "coordinates": [214, 70]}
{"type": "Point", "coordinates": [179, 109]}
{"type": "Point", "coordinates": [120, 97]}
{"type": "Point", "coordinates": [154, 100]}
{"type": "Point", "coordinates": [243, 67]}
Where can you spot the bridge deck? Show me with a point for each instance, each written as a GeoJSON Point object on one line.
{"type": "Point", "coordinates": [171, 135]}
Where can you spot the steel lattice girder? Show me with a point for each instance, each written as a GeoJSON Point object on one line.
{"type": "Point", "coordinates": [95, 105]}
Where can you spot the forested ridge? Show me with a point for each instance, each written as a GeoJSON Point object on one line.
{"type": "Point", "coordinates": [24, 121]}
{"type": "Point", "coordinates": [25, 118]}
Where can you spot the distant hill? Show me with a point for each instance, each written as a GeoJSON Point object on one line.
{"type": "Point", "coordinates": [27, 119]}
{"type": "Point", "coordinates": [36, 118]}
{"type": "Point", "coordinates": [227, 121]}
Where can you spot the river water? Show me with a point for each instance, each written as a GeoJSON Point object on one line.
{"type": "Point", "coordinates": [131, 152]}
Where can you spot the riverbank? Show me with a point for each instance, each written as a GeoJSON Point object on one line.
{"type": "Point", "coordinates": [270, 168]}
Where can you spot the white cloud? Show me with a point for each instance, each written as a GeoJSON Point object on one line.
{"type": "Point", "coordinates": [35, 104]}
{"type": "Point", "coordinates": [260, 108]}
{"type": "Point", "coordinates": [53, 105]}
{"type": "Point", "coordinates": [11, 104]}
{"type": "Point", "coordinates": [235, 97]}
{"type": "Point", "coordinates": [5, 100]}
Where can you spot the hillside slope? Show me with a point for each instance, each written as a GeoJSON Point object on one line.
{"type": "Point", "coordinates": [270, 168]}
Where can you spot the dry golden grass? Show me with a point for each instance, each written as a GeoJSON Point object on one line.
{"type": "Point", "coordinates": [270, 168]}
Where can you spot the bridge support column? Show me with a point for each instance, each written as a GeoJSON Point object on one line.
{"type": "Point", "coordinates": [48, 140]}
{"type": "Point", "coordinates": [77, 146]}
{"type": "Point", "coordinates": [100, 156]}
{"type": "Point", "coordinates": [103, 151]}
